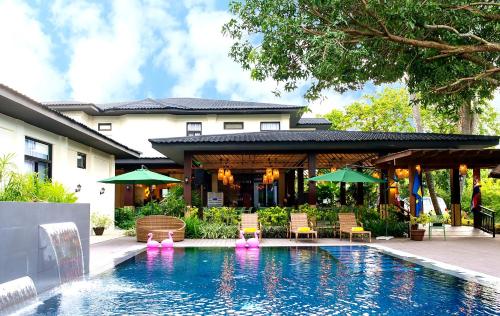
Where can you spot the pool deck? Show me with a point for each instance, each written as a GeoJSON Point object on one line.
{"type": "Point", "coordinates": [465, 256]}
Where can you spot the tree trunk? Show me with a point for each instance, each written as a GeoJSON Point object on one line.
{"type": "Point", "coordinates": [428, 175]}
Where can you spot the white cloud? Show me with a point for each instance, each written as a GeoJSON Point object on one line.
{"type": "Point", "coordinates": [108, 49]}
{"type": "Point", "coordinates": [197, 56]}
{"type": "Point", "coordinates": [26, 55]}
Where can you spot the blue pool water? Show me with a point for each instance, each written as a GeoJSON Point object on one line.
{"type": "Point", "coordinates": [328, 280]}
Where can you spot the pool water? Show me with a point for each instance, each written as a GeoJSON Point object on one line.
{"type": "Point", "coordinates": [313, 280]}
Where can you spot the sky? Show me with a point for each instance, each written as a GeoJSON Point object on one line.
{"type": "Point", "coordinates": [109, 51]}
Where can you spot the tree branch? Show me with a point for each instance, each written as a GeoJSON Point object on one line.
{"type": "Point", "coordinates": [462, 83]}
{"type": "Point", "coordinates": [454, 30]}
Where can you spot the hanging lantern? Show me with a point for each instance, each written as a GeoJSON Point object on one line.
{"type": "Point", "coordinates": [376, 174]}
{"type": "Point", "coordinates": [225, 180]}
{"type": "Point", "coordinates": [269, 172]}
{"type": "Point", "coordinates": [227, 173]}
{"type": "Point", "coordinates": [418, 168]}
{"type": "Point", "coordinates": [231, 179]}
{"type": "Point", "coordinates": [276, 174]}
{"type": "Point", "coordinates": [398, 173]}
{"type": "Point", "coordinates": [220, 174]}
{"type": "Point", "coordinates": [462, 169]}
{"type": "Point", "coordinates": [406, 173]}
{"type": "Point", "coordinates": [333, 169]}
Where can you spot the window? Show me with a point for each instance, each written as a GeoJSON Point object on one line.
{"type": "Point", "coordinates": [233, 125]}
{"type": "Point", "coordinates": [104, 127]}
{"type": "Point", "coordinates": [269, 126]}
{"type": "Point", "coordinates": [193, 128]}
{"type": "Point", "coordinates": [38, 157]}
{"type": "Point", "coordinates": [81, 160]}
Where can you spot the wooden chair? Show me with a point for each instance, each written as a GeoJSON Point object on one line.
{"type": "Point", "coordinates": [347, 221]}
{"type": "Point", "coordinates": [159, 225]}
{"type": "Point", "coordinates": [297, 221]}
{"type": "Point", "coordinates": [250, 221]}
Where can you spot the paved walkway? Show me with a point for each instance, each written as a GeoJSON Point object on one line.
{"type": "Point", "coordinates": [476, 254]}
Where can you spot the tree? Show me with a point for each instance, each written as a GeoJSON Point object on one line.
{"type": "Point", "coordinates": [448, 50]}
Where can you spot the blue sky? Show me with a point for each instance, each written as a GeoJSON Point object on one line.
{"type": "Point", "coordinates": [106, 51]}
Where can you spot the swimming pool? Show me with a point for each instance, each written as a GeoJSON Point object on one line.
{"type": "Point", "coordinates": [354, 280]}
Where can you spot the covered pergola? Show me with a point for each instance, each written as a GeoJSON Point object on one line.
{"type": "Point", "coordinates": [433, 159]}
{"type": "Point", "coordinates": [297, 152]}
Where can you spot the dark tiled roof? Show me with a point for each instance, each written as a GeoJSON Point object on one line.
{"type": "Point", "coordinates": [69, 120]}
{"type": "Point", "coordinates": [181, 104]}
{"type": "Point", "coordinates": [313, 121]}
{"type": "Point", "coordinates": [320, 137]}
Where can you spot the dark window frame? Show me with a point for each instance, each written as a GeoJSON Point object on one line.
{"type": "Point", "coordinates": [270, 130]}
{"type": "Point", "coordinates": [188, 131]}
{"type": "Point", "coordinates": [37, 159]}
{"type": "Point", "coordinates": [101, 129]}
{"type": "Point", "coordinates": [227, 123]}
{"type": "Point", "coordinates": [84, 164]}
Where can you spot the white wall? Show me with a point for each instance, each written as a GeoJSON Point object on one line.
{"type": "Point", "coordinates": [100, 165]}
{"type": "Point", "coordinates": [134, 130]}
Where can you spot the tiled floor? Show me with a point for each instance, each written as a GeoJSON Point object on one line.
{"type": "Point", "coordinates": [477, 254]}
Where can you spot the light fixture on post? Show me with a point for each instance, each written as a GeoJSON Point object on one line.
{"type": "Point", "coordinates": [462, 169]}
{"type": "Point", "coordinates": [418, 168]}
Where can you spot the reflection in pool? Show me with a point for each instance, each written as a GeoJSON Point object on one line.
{"type": "Point", "coordinates": [310, 280]}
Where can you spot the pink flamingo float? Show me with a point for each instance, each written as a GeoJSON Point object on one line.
{"type": "Point", "coordinates": [241, 243]}
{"type": "Point", "coordinates": [169, 242]}
{"type": "Point", "coordinates": [253, 242]}
{"type": "Point", "coordinates": [152, 243]}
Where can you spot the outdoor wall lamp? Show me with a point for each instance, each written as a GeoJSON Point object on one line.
{"type": "Point", "coordinates": [127, 187]}
{"type": "Point", "coordinates": [186, 180]}
{"type": "Point", "coordinates": [102, 191]}
{"type": "Point", "coordinates": [78, 188]}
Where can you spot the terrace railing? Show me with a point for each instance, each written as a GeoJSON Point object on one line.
{"type": "Point", "coordinates": [484, 220]}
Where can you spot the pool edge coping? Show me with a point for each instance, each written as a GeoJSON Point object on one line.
{"type": "Point", "coordinates": [457, 271]}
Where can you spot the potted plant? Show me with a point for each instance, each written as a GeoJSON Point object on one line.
{"type": "Point", "coordinates": [99, 223]}
{"type": "Point", "coordinates": [417, 233]}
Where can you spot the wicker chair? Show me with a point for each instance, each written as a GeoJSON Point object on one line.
{"type": "Point", "coordinates": [159, 225]}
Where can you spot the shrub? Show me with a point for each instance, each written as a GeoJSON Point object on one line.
{"type": "Point", "coordinates": [222, 215]}
{"type": "Point", "coordinates": [274, 216]}
{"type": "Point", "coordinates": [173, 204]}
{"type": "Point", "coordinates": [55, 192]}
{"type": "Point", "coordinates": [151, 208]}
{"type": "Point", "coordinates": [217, 230]}
{"type": "Point", "coordinates": [274, 231]}
{"type": "Point", "coordinates": [394, 228]}
{"type": "Point", "coordinates": [125, 217]}
{"type": "Point", "coordinates": [193, 227]}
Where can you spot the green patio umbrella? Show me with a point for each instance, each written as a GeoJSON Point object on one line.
{"type": "Point", "coordinates": [140, 176]}
{"type": "Point", "coordinates": [346, 175]}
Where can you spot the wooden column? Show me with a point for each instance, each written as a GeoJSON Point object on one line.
{"type": "Point", "coordinates": [456, 209]}
{"type": "Point", "coordinates": [290, 187]}
{"type": "Point", "coordinates": [188, 172]}
{"type": "Point", "coordinates": [360, 191]}
{"type": "Point", "coordinates": [300, 185]}
{"type": "Point", "coordinates": [383, 189]}
{"type": "Point", "coordinates": [311, 164]}
{"type": "Point", "coordinates": [215, 182]}
{"type": "Point", "coordinates": [413, 205]}
{"type": "Point", "coordinates": [391, 194]}
{"type": "Point", "coordinates": [281, 188]}
{"type": "Point", "coordinates": [476, 178]}
{"type": "Point", "coordinates": [342, 194]}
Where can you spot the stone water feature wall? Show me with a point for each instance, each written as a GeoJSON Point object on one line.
{"type": "Point", "coordinates": [21, 252]}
